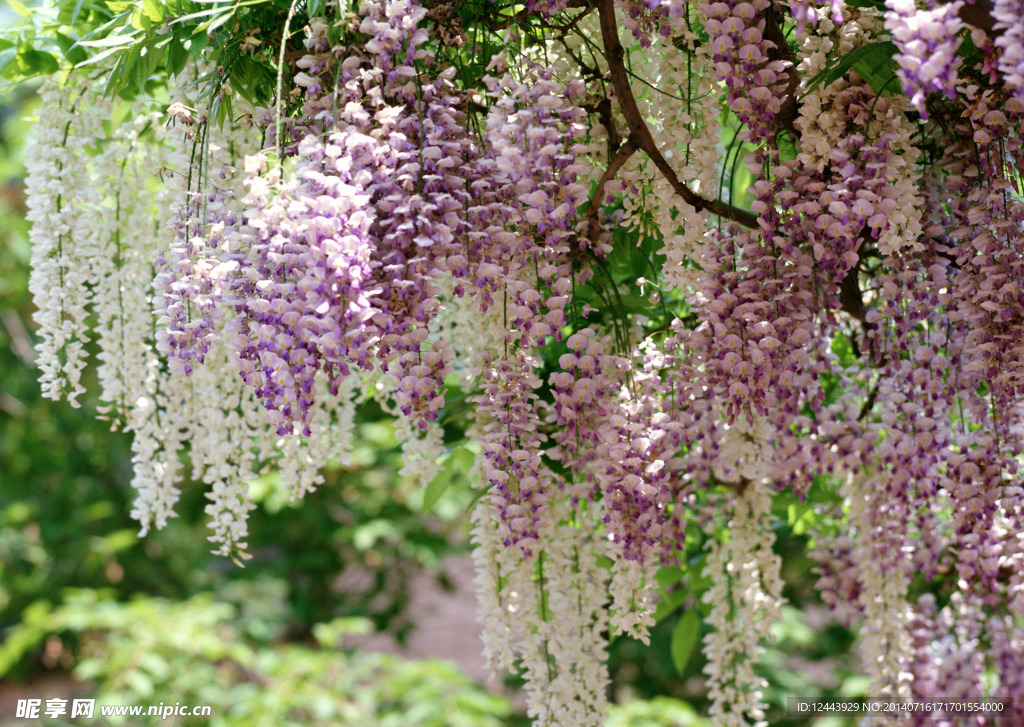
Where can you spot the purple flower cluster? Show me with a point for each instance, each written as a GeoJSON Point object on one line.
{"type": "Point", "coordinates": [986, 237]}
{"type": "Point", "coordinates": [1009, 24]}
{"type": "Point", "coordinates": [307, 289]}
{"type": "Point", "coordinates": [742, 60]}
{"type": "Point", "coordinates": [529, 187]}
{"type": "Point", "coordinates": [644, 18]}
{"type": "Point", "coordinates": [939, 453]}
{"type": "Point", "coordinates": [343, 266]}
{"type": "Point", "coordinates": [619, 447]}
{"type": "Point", "coordinates": [194, 276]}
{"type": "Point", "coordinates": [756, 304]}
{"type": "Point", "coordinates": [513, 447]}
{"type": "Point", "coordinates": [642, 489]}
{"type": "Point", "coordinates": [928, 41]}
{"type": "Point", "coordinates": [947, 659]}
{"type": "Point", "coordinates": [584, 393]}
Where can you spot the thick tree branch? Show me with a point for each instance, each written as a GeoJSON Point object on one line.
{"type": "Point", "coordinates": [604, 113]}
{"type": "Point", "coordinates": [790, 110]}
{"type": "Point", "coordinates": [621, 156]}
{"type": "Point", "coordinates": [640, 135]}
{"type": "Point", "coordinates": [851, 299]}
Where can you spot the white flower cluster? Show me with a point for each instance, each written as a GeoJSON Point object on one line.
{"type": "Point", "coordinates": [818, 123]}
{"type": "Point", "coordinates": [632, 590]}
{"type": "Point", "coordinates": [493, 561]}
{"type": "Point", "coordinates": [457, 317]}
{"type": "Point", "coordinates": [159, 427]}
{"type": "Point", "coordinates": [886, 646]}
{"type": "Point", "coordinates": [745, 598]}
{"type": "Point", "coordinates": [576, 626]}
{"type": "Point", "coordinates": [421, 450]}
{"type": "Point", "coordinates": [822, 123]}
{"type": "Point", "coordinates": [686, 127]}
{"type": "Point", "coordinates": [746, 450]}
{"type": "Point", "coordinates": [123, 229]}
{"type": "Point", "coordinates": [546, 616]}
{"type": "Point", "coordinates": [96, 230]}
{"type": "Point", "coordinates": [62, 252]}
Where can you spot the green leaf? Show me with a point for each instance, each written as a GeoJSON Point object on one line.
{"type": "Point", "coordinates": [439, 485]}
{"type": "Point", "coordinates": [669, 574]}
{"type": "Point", "coordinates": [878, 67]}
{"type": "Point", "coordinates": [109, 42]}
{"type": "Point", "coordinates": [668, 604]}
{"type": "Point", "coordinates": [74, 53]}
{"type": "Point", "coordinates": [874, 62]}
{"type": "Point", "coordinates": [34, 62]}
{"type": "Point", "coordinates": [197, 43]}
{"type": "Point", "coordinates": [6, 56]}
{"type": "Point", "coordinates": [19, 8]}
{"type": "Point", "coordinates": [329, 635]}
{"type": "Point", "coordinates": [153, 9]}
{"type": "Point", "coordinates": [76, 11]}
{"type": "Point", "coordinates": [140, 21]}
{"type": "Point", "coordinates": [92, 60]}
{"type": "Point", "coordinates": [219, 21]}
{"type": "Point", "coordinates": [842, 347]}
{"type": "Point", "coordinates": [684, 638]}
{"type": "Point", "coordinates": [799, 516]}
{"type": "Point", "coordinates": [177, 56]}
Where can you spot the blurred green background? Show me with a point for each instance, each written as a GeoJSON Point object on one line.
{"type": "Point", "coordinates": [88, 609]}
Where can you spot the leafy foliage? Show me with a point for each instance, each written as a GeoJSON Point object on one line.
{"type": "Point", "coordinates": [214, 656]}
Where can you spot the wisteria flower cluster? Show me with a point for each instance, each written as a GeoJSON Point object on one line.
{"type": "Point", "coordinates": [928, 40]}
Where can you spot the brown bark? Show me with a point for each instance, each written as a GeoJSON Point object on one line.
{"type": "Point", "coordinates": [640, 135]}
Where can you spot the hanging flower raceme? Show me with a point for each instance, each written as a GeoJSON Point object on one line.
{"type": "Point", "coordinates": [637, 473]}
{"type": "Point", "coordinates": [746, 62]}
{"type": "Point", "coordinates": [1009, 19]}
{"type": "Point", "coordinates": [306, 286]}
{"type": "Point", "coordinates": [62, 252]}
{"type": "Point", "coordinates": [928, 40]}
{"type": "Point", "coordinates": [194, 276]}
{"type": "Point", "coordinates": [347, 251]}
{"type": "Point", "coordinates": [538, 189]}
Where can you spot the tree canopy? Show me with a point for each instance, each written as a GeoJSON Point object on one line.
{"type": "Point", "coordinates": [659, 265]}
